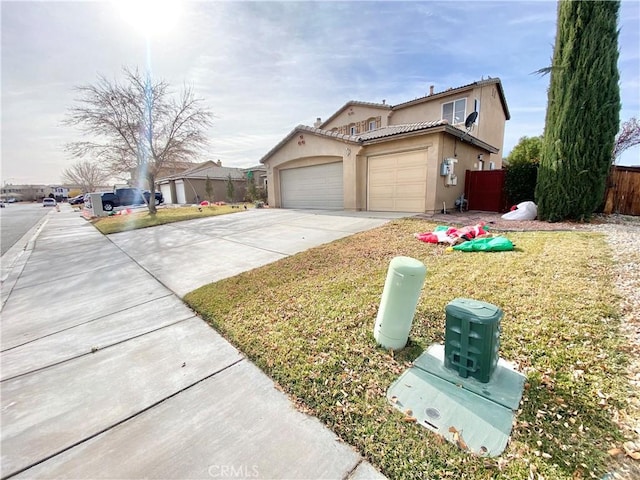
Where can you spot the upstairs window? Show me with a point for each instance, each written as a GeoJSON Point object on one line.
{"type": "Point", "coordinates": [353, 130]}
{"type": "Point", "coordinates": [454, 112]}
{"type": "Point", "coordinates": [372, 124]}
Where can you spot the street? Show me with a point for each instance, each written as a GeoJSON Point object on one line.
{"type": "Point", "coordinates": [16, 220]}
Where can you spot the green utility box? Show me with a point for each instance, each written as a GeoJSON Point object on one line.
{"type": "Point", "coordinates": [472, 338]}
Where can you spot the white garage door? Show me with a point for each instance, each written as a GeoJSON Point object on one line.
{"type": "Point", "coordinates": [165, 188]}
{"type": "Point", "coordinates": [398, 182]}
{"type": "Point", "coordinates": [181, 197]}
{"type": "Point", "coordinates": [318, 186]}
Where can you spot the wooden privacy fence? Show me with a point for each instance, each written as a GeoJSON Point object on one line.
{"type": "Point", "coordinates": [484, 190]}
{"type": "Point", "coordinates": [623, 191]}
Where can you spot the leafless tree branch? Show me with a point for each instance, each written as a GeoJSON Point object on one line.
{"type": "Point", "coordinates": [629, 136]}
{"type": "Point", "coordinates": [137, 124]}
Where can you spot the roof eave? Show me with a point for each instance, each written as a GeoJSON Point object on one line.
{"type": "Point", "coordinates": [313, 131]}
{"type": "Point", "coordinates": [382, 106]}
{"type": "Point", "coordinates": [465, 137]}
{"type": "Point", "coordinates": [456, 132]}
{"type": "Point", "coordinates": [462, 89]}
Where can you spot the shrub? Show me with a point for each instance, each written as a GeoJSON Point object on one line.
{"type": "Point", "coordinates": [520, 182]}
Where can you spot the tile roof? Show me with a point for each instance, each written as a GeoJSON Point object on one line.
{"type": "Point", "coordinates": [398, 129]}
{"type": "Point", "coordinates": [384, 106]}
{"type": "Point", "coordinates": [450, 91]}
{"type": "Point", "coordinates": [479, 83]}
{"type": "Point", "coordinates": [380, 133]}
{"type": "Point", "coordinates": [314, 130]}
{"type": "Point", "coordinates": [208, 168]}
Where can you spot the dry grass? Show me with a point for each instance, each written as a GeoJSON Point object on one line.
{"type": "Point", "coordinates": [307, 320]}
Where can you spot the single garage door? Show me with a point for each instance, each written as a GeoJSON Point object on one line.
{"type": "Point", "coordinates": [398, 182]}
{"type": "Point", "coordinates": [317, 186]}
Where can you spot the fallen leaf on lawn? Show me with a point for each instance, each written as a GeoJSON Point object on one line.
{"type": "Point", "coordinates": [631, 452]}
{"type": "Point", "coordinates": [409, 419]}
{"type": "Point", "coordinates": [457, 438]}
{"type": "Point", "coordinates": [614, 451]}
{"type": "Point", "coordinates": [409, 412]}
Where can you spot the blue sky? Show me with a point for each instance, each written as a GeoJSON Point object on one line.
{"type": "Point", "coordinates": [265, 67]}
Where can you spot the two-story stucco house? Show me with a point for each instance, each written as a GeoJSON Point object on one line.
{"type": "Point", "coordinates": [410, 157]}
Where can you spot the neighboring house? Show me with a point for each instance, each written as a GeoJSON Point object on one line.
{"type": "Point", "coordinates": [31, 193]}
{"type": "Point", "coordinates": [166, 170]}
{"type": "Point", "coordinates": [81, 188]}
{"type": "Point", "coordinates": [190, 186]}
{"type": "Point", "coordinates": [257, 174]}
{"type": "Point", "coordinates": [410, 157]}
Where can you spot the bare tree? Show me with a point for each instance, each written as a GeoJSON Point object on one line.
{"type": "Point", "coordinates": [629, 136]}
{"type": "Point", "coordinates": [138, 125]}
{"type": "Point", "coordinates": [86, 174]}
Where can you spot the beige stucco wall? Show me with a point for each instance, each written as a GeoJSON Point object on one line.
{"type": "Point", "coordinates": [306, 149]}
{"type": "Point", "coordinates": [491, 120]}
{"type": "Point", "coordinates": [196, 190]}
{"type": "Point", "coordinates": [409, 144]}
{"type": "Point", "coordinates": [467, 156]}
{"type": "Point", "coordinates": [356, 114]}
{"type": "Point", "coordinates": [320, 150]}
{"type": "Point", "coordinates": [429, 110]}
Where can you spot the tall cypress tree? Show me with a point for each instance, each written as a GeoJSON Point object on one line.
{"type": "Point", "coordinates": [582, 111]}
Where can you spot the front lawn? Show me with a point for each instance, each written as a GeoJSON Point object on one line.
{"type": "Point", "coordinates": [143, 219]}
{"type": "Point", "coordinates": [307, 321]}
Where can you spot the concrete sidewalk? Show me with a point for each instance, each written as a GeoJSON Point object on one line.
{"type": "Point", "coordinates": [107, 374]}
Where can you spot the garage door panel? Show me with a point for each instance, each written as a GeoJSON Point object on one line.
{"type": "Point", "coordinates": [410, 190]}
{"type": "Point", "coordinates": [316, 186]}
{"type": "Point", "coordinates": [411, 175]}
{"type": "Point", "coordinates": [398, 182]}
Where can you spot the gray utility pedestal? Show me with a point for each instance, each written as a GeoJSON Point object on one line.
{"type": "Point", "coordinates": [475, 415]}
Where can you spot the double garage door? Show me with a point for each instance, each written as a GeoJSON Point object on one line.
{"type": "Point", "coordinates": [317, 186]}
{"type": "Point", "coordinates": [398, 182]}
{"type": "Point", "coordinates": [395, 183]}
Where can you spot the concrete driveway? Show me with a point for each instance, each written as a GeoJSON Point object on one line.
{"type": "Point", "coordinates": [105, 373]}
{"type": "Point", "coordinates": [186, 255]}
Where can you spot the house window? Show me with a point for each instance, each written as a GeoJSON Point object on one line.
{"type": "Point", "coordinates": [353, 130]}
{"type": "Point", "coordinates": [372, 124]}
{"type": "Point", "coordinates": [453, 112]}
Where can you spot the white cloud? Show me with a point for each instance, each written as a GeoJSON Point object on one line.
{"type": "Point", "coordinates": [265, 67]}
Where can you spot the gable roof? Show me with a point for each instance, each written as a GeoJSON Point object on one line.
{"type": "Point", "coordinates": [352, 103]}
{"type": "Point", "coordinates": [427, 98]}
{"type": "Point", "coordinates": [210, 169]}
{"type": "Point", "coordinates": [391, 132]}
{"type": "Point", "coordinates": [313, 130]}
{"type": "Point", "coordinates": [464, 88]}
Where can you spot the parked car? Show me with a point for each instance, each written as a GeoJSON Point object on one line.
{"type": "Point", "coordinates": [49, 202]}
{"type": "Point", "coordinates": [128, 196]}
{"type": "Point", "coordinates": [77, 200]}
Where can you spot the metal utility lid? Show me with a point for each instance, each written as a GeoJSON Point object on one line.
{"type": "Point", "coordinates": [475, 416]}
{"type": "Point", "coordinates": [473, 310]}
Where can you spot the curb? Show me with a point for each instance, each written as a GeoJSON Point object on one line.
{"type": "Point", "coordinates": [13, 261]}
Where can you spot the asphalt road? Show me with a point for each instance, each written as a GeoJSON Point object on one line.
{"type": "Point", "coordinates": [16, 220]}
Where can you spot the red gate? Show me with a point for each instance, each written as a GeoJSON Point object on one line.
{"type": "Point", "coordinates": [484, 190]}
